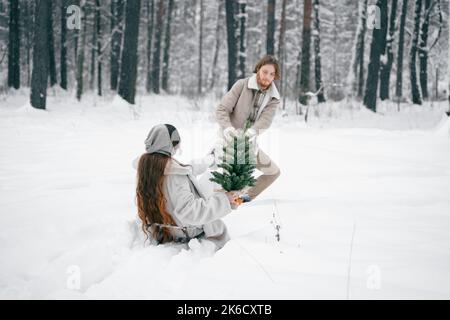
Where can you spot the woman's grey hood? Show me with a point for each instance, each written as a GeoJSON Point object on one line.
{"type": "Point", "coordinates": [161, 139]}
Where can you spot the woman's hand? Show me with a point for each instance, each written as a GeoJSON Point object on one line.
{"type": "Point", "coordinates": [233, 197]}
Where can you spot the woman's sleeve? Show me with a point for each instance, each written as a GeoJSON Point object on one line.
{"type": "Point", "coordinates": [200, 165]}
{"type": "Point", "coordinates": [190, 210]}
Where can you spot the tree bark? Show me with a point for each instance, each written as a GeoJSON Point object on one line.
{"type": "Point", "coordinates": [306, 48]}
{"type": "Point", "coordinates": [99, 46]}
{"type": "Point", "coordinates": [423, 51]}
{"type": "Point", "coordinates": [230, 8]}
{"type": "Point", "coordinates": [317, 59]}
{"type": "Point", "coordinates": [117, 8]}
{"type": "Point", "coordinates": [81, 45]}
{"type": "Point", "coordinates": [128, 70]}
{"type": "Point", "coordinates": [150, 15]}
{"type": "Point", "coordinates": [385, 72]}
{"type": "Point", "coordinates": [377, 47]}
{"type": "Point", "coordinates": [14, 45]}
{"type": "Point", "coordinates": [156, 65]}
{"type": "Point", "coordinates": [281, 45]}
{"type": "Point", "coordinates": [270, 27]}
{"type": "Point", "coordinates": [214, 72]}
{"type": "Point", "coordinates": [166, 54]}
{"type": "Point", "coordinates": [63, 52]}
{"type": "Point", "coordinates": [415, 92]}
{"type": "Point", "coordinates": [51, 47]}
{"type": "Point", "coordinates": [39, 76]}
{"type": "Point", "coordinates": [242, 49]}
{"type": "Point", "coordinates": [401, 44]}
{"type": "Point", "coordinates": [356, 77]}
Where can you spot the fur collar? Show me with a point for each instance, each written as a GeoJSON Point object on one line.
{"type": "Point", "coordinates": [272, 91]}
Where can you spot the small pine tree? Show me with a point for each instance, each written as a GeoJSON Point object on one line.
{"type": "Point", "coordinates": [238, 164]}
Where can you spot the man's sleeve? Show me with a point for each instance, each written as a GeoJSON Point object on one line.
{"type": "Point", "coordinates": [227, 104]}
{"type": "Point", "coordinates": [265, 119]}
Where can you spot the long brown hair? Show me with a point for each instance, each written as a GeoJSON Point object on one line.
{"type": "Point", "coordinates": [150, 199]}
{"type": "Point", "coordinates": [268, 59]}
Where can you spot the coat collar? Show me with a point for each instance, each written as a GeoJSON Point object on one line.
{"type": "Point", "coordinates": [175, 167]}
{"type": "Point", "coordinates": [273, 91]}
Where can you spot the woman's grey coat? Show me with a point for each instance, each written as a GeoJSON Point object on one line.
{"type": "Point", "coordinates": [189, 206]}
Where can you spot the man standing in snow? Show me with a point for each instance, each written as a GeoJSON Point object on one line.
{"type": "Point", "coordinates": [252, 103]}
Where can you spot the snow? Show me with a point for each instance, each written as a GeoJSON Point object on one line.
{"type": "Point", "coordinates": [67, 210]}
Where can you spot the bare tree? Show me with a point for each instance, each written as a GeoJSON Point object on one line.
{"type": "Point", "coordinates": [128, 69]}
{"type": "Point", "coordinates": [401, 44]}
{"type": "Point", "coordinates": [317, 57]}
{"type": "Point", "coordinates": [63, 50]}
{"type": "Point", "coordinates": [306, 54]}
{"type": "Point", "coordinates": [356, 75]}
{"type": "Point", "coordinates": [242, 38]}
{"type": "Point", "coordinates": [218, 39]}
{"type": "Point", "coordinates": [385, 72]}
{"type": "Point", "coordinates": [424, 49]}
{"type": "Point", "coordinates": [150, 15]}
{"type": "Point", "coordinates": [14, 46]}
{"type": "Point", "coordinates": [281, 46]}
{"type": "Point", "coordinates": [117, 8]}
{"type": "Point", "coordinates": [156, 65]}
{"type": "Point", "coordinates": [376, 48]}
{"type": "Point", "coordinates": [166, 54]}
{"type": "Point", "coordinates": [81, 46]}
{"type": "Point", "coordinates": [270, 45]}
{"type": "Point", "coordinates": [51, 47]}
{"type": "Point", "coordinates": [415, 92]}
{"type": "Point", "coordinates": [230, 8]}
{"type": "Point", "coordinates": [39, 76]}
{"type": "Point", "coordinates": [98, 32]}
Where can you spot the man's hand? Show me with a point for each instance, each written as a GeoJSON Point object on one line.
{"type": "Point", "coordinates": [251, 134]}
{"type": "Point", "coordinates": [229, 133]}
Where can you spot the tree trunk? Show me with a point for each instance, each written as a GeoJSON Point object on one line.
{"type": "Point", "coordinates": [200, 50]}
{"type": "Point", "coordinates": [81, 46]}
{"type": "Point", "coordinates": [166, 55]}
{"type": "Point", "coordinates": [156, 65]}
{"type": "Point", "coordinates": [230, 8]}
{"type": "Point", "coordinates": [281, 45]}
{"type": "Point", "coordinates": [306, 48]}
{"type": "Point", "coordinates": [385, 72]}
{"type": "Point", "coordinates": [150, 15]}
{"type": "Point", "coordinates": [99, 47]}
{"type": "Point", "coordinates": [93, 50]}
{"type": "Point", "coordinates": [356, 77]}
{"type": "Point", "coordinates": [39, 76]}
{"type": "Point", "coordinates": [29, 24]}
{"type": "Point", "coordinates": [117, 7]}
{"type": "Point", "coordinates": [416, 96]}
{"type": "Point", "coordinates": [448, 67]}
{"type": "Point", "coordinates": [214, 71]}
{"type": "Point", "coordinates": [242, 53]}
{"type": "Point", "coordinates": [270, 27]}
{"type": "Point", "coordinates": [423, 51]}
{"type": "Point", "coordinates": [128, 70]}
{"type": "Point", "coordinates": [51, 47]}
{"type": "Point", "coordinates": [376, 48]}
{"type": "Point", "coordinates": [63, 52]}
{"type": "Point", "coordinates": [401, 44]}
{"type": "Point", "coordinates": [14, 45]}
{"type": "Point", "coordinates": [317, 60]}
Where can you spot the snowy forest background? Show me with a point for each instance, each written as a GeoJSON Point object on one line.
{"type": "Point", "coordinates": [198, 47]}
{"type": "Point", "coordinates": [361, 209]}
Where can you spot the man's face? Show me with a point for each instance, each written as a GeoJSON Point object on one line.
{"type": "Point", "coordinates": [265, 75]}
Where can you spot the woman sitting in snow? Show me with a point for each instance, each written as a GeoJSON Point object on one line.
{"type": "Point", "coordinates": [170, 203]}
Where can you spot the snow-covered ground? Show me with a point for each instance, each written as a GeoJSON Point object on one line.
{"type": "Point", "coordinates": [363, 203]}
